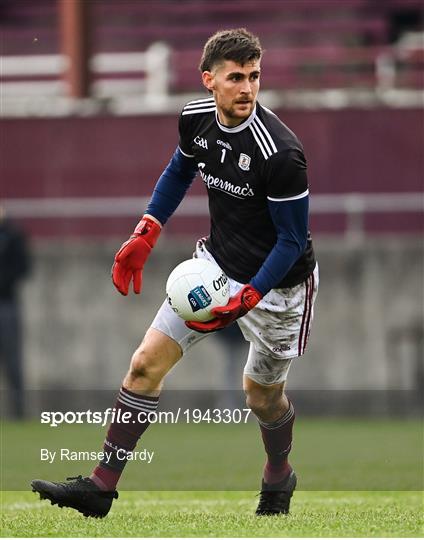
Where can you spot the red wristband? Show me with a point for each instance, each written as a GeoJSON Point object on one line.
{"type": "Point", "coordinates": [149, 229]}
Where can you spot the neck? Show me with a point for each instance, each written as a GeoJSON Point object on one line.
{"type": "Point", "coordinates": [233, 124]}
{"type": "Point", "coordinates": [229, 122]}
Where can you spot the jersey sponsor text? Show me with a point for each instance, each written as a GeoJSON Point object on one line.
{"type": "Point", "coordinates": [214, 182]}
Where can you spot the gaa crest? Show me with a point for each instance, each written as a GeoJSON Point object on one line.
{"type": "Point", "coordinates": [244, 162]}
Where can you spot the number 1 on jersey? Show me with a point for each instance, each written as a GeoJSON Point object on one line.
{"type": "Point", "coordinates": [224, 151]}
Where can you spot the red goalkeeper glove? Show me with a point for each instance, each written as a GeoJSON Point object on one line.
{"type": "Point", "coordinates": [238, 305]}
{"type": "Point", "coordinates": [130, 259]}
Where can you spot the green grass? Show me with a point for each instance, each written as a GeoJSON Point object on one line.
{"type": "Point", "coordinates": [221, 514]}
{"type": "Point", "coordinates": [330, 454]}
{"type": "Point", "coordinates": [357, 477]}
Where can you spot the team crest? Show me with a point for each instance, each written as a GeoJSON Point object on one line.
{"type": "Point", "coordinates": [244, 162]}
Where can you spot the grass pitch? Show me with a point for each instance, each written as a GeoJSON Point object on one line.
{"type": "Point", "coordinates": [221, 514]}
{"type": "Point", "coordinates": [356, 478]}
{"type": "Point", "coordinates": [328, 455]}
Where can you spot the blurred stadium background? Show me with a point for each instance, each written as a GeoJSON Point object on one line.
{"type": "Point", "coordinates": [90, 95]}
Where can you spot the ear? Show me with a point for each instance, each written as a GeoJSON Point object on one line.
{"type": "Point", "coordinates": [208, 80]}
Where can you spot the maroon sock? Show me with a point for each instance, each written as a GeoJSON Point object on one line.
{"type": "Point", "coordinates": [122, 436]}
{"type": "Point", "coordinates": [277, 438]}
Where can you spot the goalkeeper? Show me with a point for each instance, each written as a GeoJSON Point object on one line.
{"type": "Point", "coordinates": [254, 170]}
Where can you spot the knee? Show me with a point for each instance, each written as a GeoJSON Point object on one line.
{"type": "Point", "coordinates": [266, 403]}
{"type": "Point", "coordinates": [260, 403]}
{"type": "Point", "coordinates": [145, 365]}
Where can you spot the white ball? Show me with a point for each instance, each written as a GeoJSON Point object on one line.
{"type": "Point", "coordinates": [195, 287]}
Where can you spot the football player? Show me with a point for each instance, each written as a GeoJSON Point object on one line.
{"type": "Point", "coordinates": [254, 170]}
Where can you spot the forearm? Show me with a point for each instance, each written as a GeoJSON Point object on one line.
{"type": "Point", "coordinates": [291, 223]}
{"type": "Point", "coordinates": [279, 261]}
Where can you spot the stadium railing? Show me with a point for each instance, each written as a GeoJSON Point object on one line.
{"type": "Point", "coordinates": [113, 74]}
{"type": "Point", "coordinates": [159, 72]}
{"type": "Point", "coordinates": [354, 205]}
{"type": "Point", "coordinates": [313, 44]}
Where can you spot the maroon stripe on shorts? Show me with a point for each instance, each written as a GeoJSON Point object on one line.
{"type": "Point", "coordinates": [304, 317]}
{"type": "Point", "coordinates": [308, 322]}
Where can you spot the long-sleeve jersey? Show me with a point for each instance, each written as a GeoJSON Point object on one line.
{"type": "Point", "coordinates": [255, 175]}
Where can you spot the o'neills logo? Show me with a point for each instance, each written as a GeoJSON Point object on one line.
{"type": "Point", "coordinates": [220, 282]}
{"type": "Point", "coordinates": [213, 182]}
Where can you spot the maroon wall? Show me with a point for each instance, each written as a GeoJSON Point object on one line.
{"type": "Point", "coordinates": [348, 151]}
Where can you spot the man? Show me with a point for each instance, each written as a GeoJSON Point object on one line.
{"type": "Point", "coordinates": [15, 265]}
{"type": "Point", "coordinates": [255, 173]}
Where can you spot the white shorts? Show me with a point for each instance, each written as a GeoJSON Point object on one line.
{"type": "Point", "coordinates": [277, 328]}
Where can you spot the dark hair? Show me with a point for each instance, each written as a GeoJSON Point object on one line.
{"type": "Point", "coordinates": [237, 45]}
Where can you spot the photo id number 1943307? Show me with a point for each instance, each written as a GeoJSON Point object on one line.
{"type": "Point", "coordinates": [216, 416]}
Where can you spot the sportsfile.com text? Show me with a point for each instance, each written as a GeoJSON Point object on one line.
{"type": "Point", "coordinates": [187, 416]}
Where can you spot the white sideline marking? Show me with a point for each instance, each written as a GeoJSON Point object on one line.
{"type": "Point", "coordinates": [136, 502]}
{"type": "Point", "coordinates": [22, 505]}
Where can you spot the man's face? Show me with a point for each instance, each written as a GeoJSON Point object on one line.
{"type": "Point", "coordinates": [235, 89]}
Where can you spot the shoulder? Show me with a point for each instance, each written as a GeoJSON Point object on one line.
{"type": "Point", "coordinates": [10, 233]}
{"type": "Point", "coordinates": [194, 113]}
{"type": "Point", "coordinates": [199, 106]}
{"type": "Point", "coordinates": [272, 135]}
